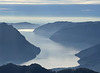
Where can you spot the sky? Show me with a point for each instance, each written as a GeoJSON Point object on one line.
{"type": "Point", "coordinates": [62, 10]}
{"type": "Point", "coordinates": [48, 11]}
{"type": "Point", "coordinates": [49, 1]}
{"type": "Point", "coordinates": [43, 11]}
{"type": "Point", "coordinates": [41, 14]}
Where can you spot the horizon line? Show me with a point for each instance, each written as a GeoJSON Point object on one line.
{"type": "Point", "coordinates": [49, 3]}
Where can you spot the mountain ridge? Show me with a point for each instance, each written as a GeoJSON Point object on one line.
{"type": "Point", "coordinates": [90, 58]}
{"type": "Point", "coordinates": [14, 47]}
{"type": "Point", "coordinates": [82, 36]}
{"type": "Point", "coordinates": [36, 68]}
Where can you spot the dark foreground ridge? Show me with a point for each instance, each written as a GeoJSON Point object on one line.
{"type": "Point", "coordinates": [14, 47]}
{"type": "Point", "coordinates": [36, 68]}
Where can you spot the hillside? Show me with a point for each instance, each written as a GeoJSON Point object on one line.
{"type": "Point", "coordinates": [49, 29]}
{"type": "Point", "coordinates": [80, 37]}
{"type": "Point", "coordinates": [36, 68]}
{"type": "Point", "coordinates": [14, 47]}
{"type": "Point", "coordinates": [90, 58]}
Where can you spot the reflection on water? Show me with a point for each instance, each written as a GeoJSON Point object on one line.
{"type": "Point", "coordinates": [52, 54]}
{"type": "Point", "coordinates": [26, 30]}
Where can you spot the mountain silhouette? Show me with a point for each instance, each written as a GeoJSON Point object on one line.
{"type": "Point", "coordinates": [36, 68]}
{"type": "Point", "coordinates": [78, 70]}
{"type": "Point", "coordinates": [90, 58]}
{"type": "Point", "coordinates": [33, 68]}
{"type": "Point", "coordinates": [23, 25]}
{"type": "Point", "coordinates": [49, 29]}
{"type": "Point", "coordinates": [82, 36]}
{"type": "Point", "coordinates": [14, 47]}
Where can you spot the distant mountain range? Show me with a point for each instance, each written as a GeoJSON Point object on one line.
{"type": "Point", "coordinates": [85, 34]}
{"type": "Point", "coordinates": [36, 68]}
{"type": "Point", "coordinates": [14, 47]}
{"type": "Point", "coordinates": [24, 25]}
{"type": "Point", "coordinates": [90, 58]}
{"type": "Point", "coordinates": [80, 35]}
{"type": "Point", "coordinates": [49, 29]}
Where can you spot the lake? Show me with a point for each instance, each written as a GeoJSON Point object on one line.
{"type": "Point", "coordinates": [53, 55]}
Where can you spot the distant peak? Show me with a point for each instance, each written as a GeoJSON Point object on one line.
{"type": "Point", "coordinates": [35, 65]}
{"type": "Point", "coordinates": [3, 23]}
{"type": "Point", "coordinates": [23, 23]}
{"type": "Point", "coordinates": [63, 22]}
{"type": "Point", "coordinates": [10, 64]}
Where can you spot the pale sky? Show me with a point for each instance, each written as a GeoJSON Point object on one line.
{"type": "Point", "coordinates": [49, 1]}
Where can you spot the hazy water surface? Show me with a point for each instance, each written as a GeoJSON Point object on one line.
{"type": "Point", "coordinates": [52, 54]}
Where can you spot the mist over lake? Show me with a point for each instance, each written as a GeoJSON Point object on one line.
{"type": "Point", "coordinates": [53, 55]}
{"type": "Point", "coordinates": [60, 35]}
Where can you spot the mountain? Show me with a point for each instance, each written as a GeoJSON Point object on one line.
{"type": "Point", "coordinates": [79, 70]}
{"type": "Point", "coordinates": [33, 68]}
{"type": "Point", "coordinates": [14, 47]}
{"type": "Point", "coordinates": [49, 29]}
{"type": "Point", "coordinates": [36, 68]}
{"type": "Point", "coordinates": [90, 58]}
{"type": "Point", "coordinates": [24, 25]}
{"type": "Point", "coordinates": [82, 36]}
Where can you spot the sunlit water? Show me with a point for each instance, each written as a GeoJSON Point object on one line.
{"type": "Point", "coordinates": [25, 30]}
{"type": "Point", "coordinates": [52, 55]}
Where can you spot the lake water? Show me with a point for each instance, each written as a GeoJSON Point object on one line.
{"type": "Point", "coordinates": [53, 55]}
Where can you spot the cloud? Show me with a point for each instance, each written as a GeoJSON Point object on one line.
{"type": "Point", "coordinates": [6, 10]}
{"type": "Point", "coordinates": [50, 1]}
{"type": "Point", "coordinates": [3, 9]}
